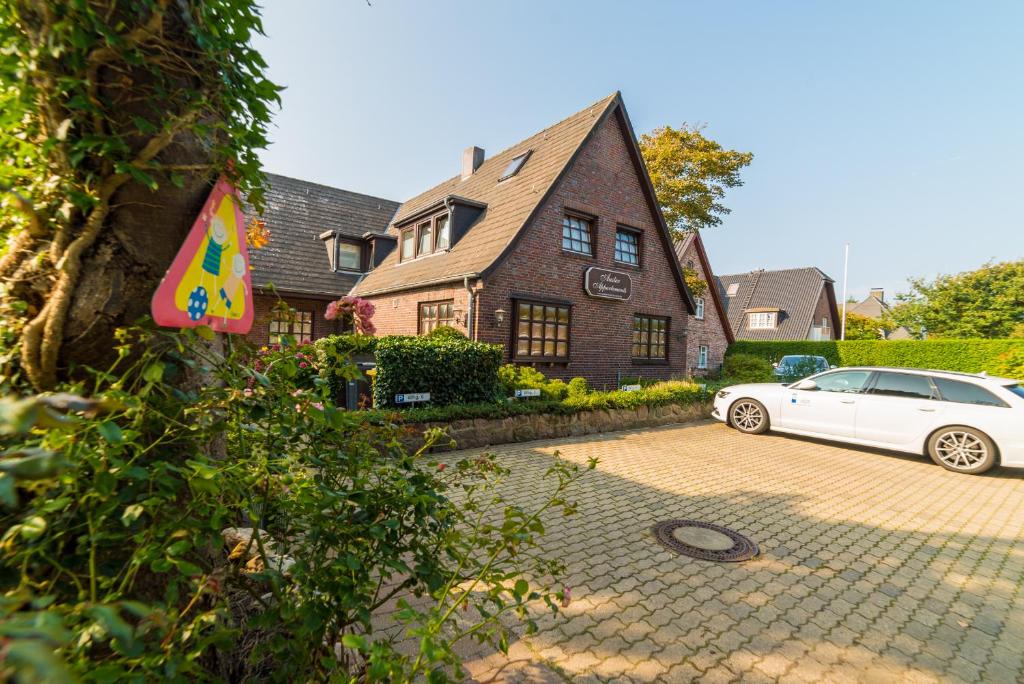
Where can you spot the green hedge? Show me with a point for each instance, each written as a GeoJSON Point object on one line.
{"type": "Point", "coordinates": [453, 370]}
{"type": "Point", "coordinates": [672, 392]}
{"type": "Point", "coordinates": [968, 356]}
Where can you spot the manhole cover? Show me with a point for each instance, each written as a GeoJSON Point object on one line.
{"type": "Point", "coordinates": [705, 541]}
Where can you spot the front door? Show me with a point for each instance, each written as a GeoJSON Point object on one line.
{"type": "Point", "coordinates": [828, 409]}
{"type": "Point", "coordinates": [898, 408]}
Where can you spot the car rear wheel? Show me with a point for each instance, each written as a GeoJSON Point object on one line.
{"type": "Point", "coordinates": [962, 449]}
{"type": "Point", "coordinates": [749, 416]}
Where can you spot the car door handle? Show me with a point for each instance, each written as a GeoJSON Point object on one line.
{"type": "Point", "coordinates": [928, 410]}
{"type": "Point", "coordinates": [847, 401]}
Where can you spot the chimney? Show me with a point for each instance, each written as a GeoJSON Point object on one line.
{"type": "Point", "coordinates": [878, 293]}
{"type": "Point", "coordinates": [472, 158]}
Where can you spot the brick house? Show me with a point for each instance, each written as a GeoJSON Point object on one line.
{"type": "Point", "coordinates": [322, 240]}
{"type": "Point", "coordinates": [554, 248]}
{"type": "Point", "coordinates": [708, 331]}
{"type": "Point", "coordinates": [789, 304]}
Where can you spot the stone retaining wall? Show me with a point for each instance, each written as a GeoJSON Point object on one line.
{"type": "Point", "coordinates": [479, 432]}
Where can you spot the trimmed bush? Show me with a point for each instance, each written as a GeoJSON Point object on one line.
{"type": "Point", "coordinates": [747, 368]}
{"type": "Point", "coordinates": [453, 370]}
{"type": "Point", "coordinates": [446, 332]}
{"type": "Point", "coordinates": [966, 356]}
{"type": "Point", "coordinates": [660, 394]}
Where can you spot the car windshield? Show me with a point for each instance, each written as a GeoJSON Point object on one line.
{"type": "Point", "coordinates": [792, 360]}
{"type": "Point", "coordinates": [1016, 389]}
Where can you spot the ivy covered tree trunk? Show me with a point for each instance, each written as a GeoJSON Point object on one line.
{"type": "Point", "coordinates": [118, 116]}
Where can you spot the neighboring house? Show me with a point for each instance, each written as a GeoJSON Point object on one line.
{"type": "Point", "coordinates": [708, 334]}
{"type": "Point", "coordinates": [322, 240]}
{"type": "Point", "coordinates": [874, 307]}
{"type": "Point", "coordinates": [555, 249]}
{"type": "Point", "coordinates": [790, 304]}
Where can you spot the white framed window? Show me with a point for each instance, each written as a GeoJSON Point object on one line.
{"type": "Point", "coordinates": [698, 303]}
{"type": "Point", "coordinates": [349, 256]}
{"type": "Point", "coordinates": [576, 235]}
{"type": "Point", "coordinates": [702, 356]}
{"type": "Point", "coordinates": [761, 320]}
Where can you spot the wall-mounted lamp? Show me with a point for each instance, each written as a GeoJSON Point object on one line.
{"type": "Point", "coordinates": [499, 316]}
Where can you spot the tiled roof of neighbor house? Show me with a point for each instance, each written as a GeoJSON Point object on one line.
{"type": "Point", "coordinates": [297, 212]}
{"type": "Point", "coordinates": [793, 291]}
{"type": "Point", "coordinates": [871, 306]}
{"type": "Point", "coordinates": [510, 204]}
{"type": "Point", "coordinates": [681, 247]}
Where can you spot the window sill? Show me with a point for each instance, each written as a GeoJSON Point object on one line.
{"type": "Point", "coordinates": [577, 255]}
{"type": "Point", "coordinates": [535, 360]}
{"type": "Point", "coordinates": [623, 264]}
{"type": "Point", "coordinates": [649, 362]}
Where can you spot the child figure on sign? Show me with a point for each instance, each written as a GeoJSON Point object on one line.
{"type": "Point", "coordinates": [216, 242]}
{"type": "Point", "coordinates": [234, 281]}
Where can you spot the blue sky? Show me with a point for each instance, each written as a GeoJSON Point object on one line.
{"type": "Point", "coordinates": [895, 126]}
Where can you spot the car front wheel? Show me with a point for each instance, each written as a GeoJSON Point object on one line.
{"type": "Point", "coordinates": [962, 450]}
{"type": "Point", "coordinates": [749, 416]}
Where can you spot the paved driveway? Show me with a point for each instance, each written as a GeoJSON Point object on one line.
{"type": "Point", "coordinates": [873, 566]}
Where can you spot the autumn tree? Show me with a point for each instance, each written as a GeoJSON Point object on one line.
{"type": "Point", "coordinates": [690, 174]}
{"type": "Point", "coordinates": [985, 303]}
{"type": "Point", "coordinates": [116, 117]}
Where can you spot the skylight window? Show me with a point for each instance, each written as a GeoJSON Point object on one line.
{"type": "Point", "coordinates": [515, 165]}
{"type": "Point", "coordinates": [733, 289]}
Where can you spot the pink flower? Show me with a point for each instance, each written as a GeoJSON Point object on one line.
{"type": "Point", "coordinates": [566, 597]}
{"type": "Point", "coordinates": [247, 392]}
{"type": "Point", "coordinates": [318, 405]}
{"type": "Point", "coordinates": [303, 364]}
{"type": "Point", "coordinates": [332, 311]}
{"type": "Point", "coordinates": [441, 467]}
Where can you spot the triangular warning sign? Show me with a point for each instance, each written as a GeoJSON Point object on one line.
{"type": "Point", "coordinates": [208, 282]}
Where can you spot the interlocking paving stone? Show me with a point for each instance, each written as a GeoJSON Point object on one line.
{"type": "Point", "coordinates": [874, 567]}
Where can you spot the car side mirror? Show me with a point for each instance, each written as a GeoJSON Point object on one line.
{"type": "Point", "coordinates": [806, 385]}
{"type": "Point", "coordinates": [775, 365]}
{"type": "Point", "coordinates": [832, 367]}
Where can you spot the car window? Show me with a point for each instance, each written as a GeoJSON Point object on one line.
{"type": "Point", "coordinates": [966, 393]}
{"type": "Point", "coordinates": [843, 381]}
{"type": "Point", "coordinates": [903, 385]}
{"type": "Point", "coordinates": [1016, 389]}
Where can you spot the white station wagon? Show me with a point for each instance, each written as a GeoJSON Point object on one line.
{"type": "Point", "coordinates": [966, 423]}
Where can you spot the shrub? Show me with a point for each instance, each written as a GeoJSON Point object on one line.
{"type": "Point", "coordinates": [114, 567]}
{"type": "Point", "coordinates": [578, 387]}
{"type": "Point", "coordinates": [334, 356]}
{"type": "Point", "coordinates": [659, 394]}
{"type": "Point", "coordinates": [742, 368]}
{"type": "Point", "coordinates": [512, 377]}
{"type": "Point", "coordinates": [966, 356]}
{"type": "Point", "coordinates": [454, 371]}
{"type": "Point", "coordinates": [1010, 365]}
{"type": "Point", "coordinates": [447, 332]}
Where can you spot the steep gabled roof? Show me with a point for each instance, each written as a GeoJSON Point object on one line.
{"type": "Point", "coordinates": [510, 205]}
{"type": "Point", "coordinates": [693, 240]}
{"type": "Point", "coordinates": [795, 292]}
{"type": "Point", "coordinates": [296, 213]}
{"type": "Point", "coordinates": [871, 306]}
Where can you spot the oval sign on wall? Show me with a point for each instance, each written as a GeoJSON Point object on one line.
{"type": "Point", "coordinates": [607, 284]}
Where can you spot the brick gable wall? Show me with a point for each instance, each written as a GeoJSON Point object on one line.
{"type": "Point", "coordinates": [710, 331]}
{"type": "Point", "coordinates": [263, 306]}
{"type": "Point", "coordinates": [602, 182]}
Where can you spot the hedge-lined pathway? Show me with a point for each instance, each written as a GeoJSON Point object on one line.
{"type": "Point", "coordinates": [874, 566]}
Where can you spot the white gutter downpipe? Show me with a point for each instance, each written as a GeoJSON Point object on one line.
{"type": "Point", "coordinates": [469, 307]}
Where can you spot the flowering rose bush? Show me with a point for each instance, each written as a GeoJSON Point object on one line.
{"type": "Point", "coordinates": [356, 310]}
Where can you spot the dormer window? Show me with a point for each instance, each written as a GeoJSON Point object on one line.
{"type": "Point", "coordinates": [426, 237]}
{"type": "Point", "coordinates": [515, 165]}
{"type": "Point", "coordinates": [349, 256]}
{"type": "Point", "coordinates": [762, 320]}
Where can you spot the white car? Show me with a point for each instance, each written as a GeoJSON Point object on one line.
{"type": "Point", "coordinates": [966, 423]}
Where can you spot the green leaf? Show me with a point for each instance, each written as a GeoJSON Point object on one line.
{"type": "Point", "coordinates": [131, 514]}
{"type": "Point", "coordinates": [520, 589]}
{"type": "Point", "coordinates": [35, 661]}
{"type": "Point", "coordinates": [110, 432]}
{"type": "Point", "coordinates": [32, 463]}
{"type": "Point", "coordinates": [205, 332]}
{"type": "Point", "coordinates": [354, 641]}
{"type": "Point", "coordinates": [154, 372]}
{"type": "Point", "coordinates": [32, 528]}
{"type": "Point", "coordinates": [8, 497]}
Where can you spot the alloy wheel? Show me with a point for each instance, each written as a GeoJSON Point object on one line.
{"type": "Point", "coordinates": [960, 450]}
{"type": "Point", "coordinates": [747, 416]}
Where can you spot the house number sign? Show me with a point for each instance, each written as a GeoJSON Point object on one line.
{"type": "Point", "coordinates": [607, 284]}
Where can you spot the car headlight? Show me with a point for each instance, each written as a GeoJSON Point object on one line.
{"type": "Point", "coordinates": [722, 394]}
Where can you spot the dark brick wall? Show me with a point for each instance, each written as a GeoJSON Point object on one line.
{"type": "Point", "coordinates": [710, 331]}
{"type": "Point", "coordinates": [398, 313]}
{"type": "Point", "coordinates": [602, 182]}
{"type": "Point", "coordinates": [264, 304]}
